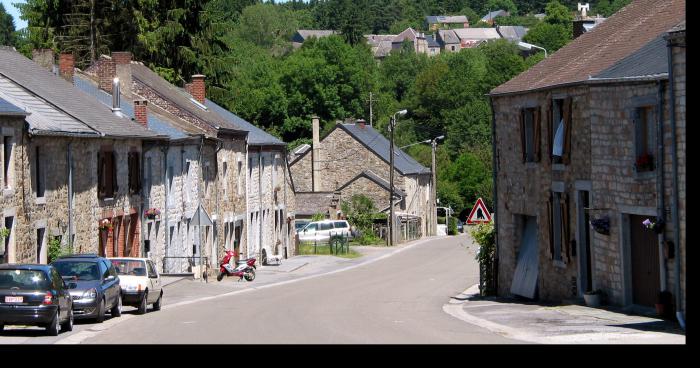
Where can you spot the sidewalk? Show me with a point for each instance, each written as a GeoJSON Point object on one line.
{"type": "Point", "coordinates": [560, 324]}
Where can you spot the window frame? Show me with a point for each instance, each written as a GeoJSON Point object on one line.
{"type": "Point", "coordinates": [645, 135]}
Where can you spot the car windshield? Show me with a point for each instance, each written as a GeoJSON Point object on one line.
{"type": "Point", "coordinates": [300, 225]}
{"type": "Point", "coordinates": [129, 267]}
{"type": "Point", "coordinates": [24, 280]}
{"type": "Point", "coordinates": [84, 271]}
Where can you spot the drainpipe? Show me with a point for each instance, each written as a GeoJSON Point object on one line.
{"type": "Point", "coordinates": [69, 158]}
{"type": "Point", "coordinates": [219, 146]}
{"type": "Point", "coordinates": [674, 180]}
{"type": "Point", "coordinates": [494, 163]}
{"type": "Point", "coordinates": [260, 209]}
{"type": "Point", "coordinates": [167, 193]}
{"type": "Point", "coordinates": [200, 195]}
{"type": "Point", "coordinates": [659, 183]}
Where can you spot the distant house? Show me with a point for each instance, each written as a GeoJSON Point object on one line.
{"type": "Point", "coordinates": [418, 39]}
{"type": "Point", "coordinates": [488, 18]}
{"type": "Point", "coordinates": [449, 41]}
{"type": "Point", "coordinates": [512, 33]}
{"type": "Point", "coordinates": [435, 22]}
{"type": "Point", "coordinates": [303, 35]}
{"type": "Point", "coordinates": [472, 37]}
{"type": "Point", "coordinates": [433, 45]}
{"type": "Point", "coordinates": [380, 44]}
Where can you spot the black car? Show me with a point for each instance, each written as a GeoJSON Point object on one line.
{"type": "Point", "coordinates": [94, 285]}
{"type": "Point", "coordinates": [34, 295]}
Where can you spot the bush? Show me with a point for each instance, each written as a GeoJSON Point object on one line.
{"type": "Point", "coordinates": [485, 236]}
{"type": "Point", "coordinates": [55, 249]}
{"type": "Point", "coordinates": [318, 217]}
{"type": "Point", "coordinates": [452, 226]}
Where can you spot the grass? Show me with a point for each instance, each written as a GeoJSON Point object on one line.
{"type": "Point", "coordinates": [325, 250]}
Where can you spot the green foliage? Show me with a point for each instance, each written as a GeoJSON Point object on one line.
{"type": "Point", "coordinates": [514, 20]}
{"type": "Point", "coordinates": [485, 236]}
{"type": "Point", "coordinates": [452, 226]}
{"type": "Point", "coordinates": [359, 211]}
{"type": "Point", "coordinates": [318, 217]}
{"type": "Point", "coordinates": [557, 13]}
{"type": "Point", "coordinates": [56, 249]}
{"type": "Point", "coordinates": [4, 233]}
{"type": "Point", "coordinates": [7, 27]}
{"type": "Point", "coordinates": [507, 5]}
{"type": "Point", "coordinates": [606, 8]}
{"type": "Point", "coordinates": [551, 37]}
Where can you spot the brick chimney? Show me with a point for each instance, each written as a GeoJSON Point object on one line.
{"type": "Point", "coordinates": [198, 89]}
{"type": "Point", "coordinates": [140, 112]}
{"type": "Point", "coordinates": [122, 61]}
{"type": "Point", "coordinates": [316, 155]}
{"type": "Point", "coordinates": [66, 65]}
{"type": "Point", "coordinates": [106, 71]}
{"type": "Point", "coordinates": [44, 57]}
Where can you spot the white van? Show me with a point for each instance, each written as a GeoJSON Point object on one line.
{"type": "Point", "coordinates": [322, 230]}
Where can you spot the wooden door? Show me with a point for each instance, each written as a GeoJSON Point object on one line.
{"type": "Point", "coordinates": [527, 269]}
{"type": "Point", "coordinates": [645, 263]}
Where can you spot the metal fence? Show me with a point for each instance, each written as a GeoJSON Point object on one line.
{"type": "Point", "coordinates": [337, 243]}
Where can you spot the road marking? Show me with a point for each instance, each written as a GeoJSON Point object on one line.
{"type": "Point", "coordinates": [81, 336]}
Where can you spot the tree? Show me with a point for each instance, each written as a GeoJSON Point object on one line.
{"type": "Point", "coordinates": [550, 36]}
{"type": "Point", "coordinates": [557, 13]}
{"type": "Point", "coordinates": [507, 5]}
{"type": "Point", "coordinates": [267, 26]}
{"type": "Point", "coordinates": [7, 27]}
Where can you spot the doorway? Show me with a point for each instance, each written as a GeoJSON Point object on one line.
{"type": "Point", "coordinates": [644, 257]}
{"type": "Point", "coordinates": [585, 270]}
{"type": "Point", "coordinates": [526, 271]}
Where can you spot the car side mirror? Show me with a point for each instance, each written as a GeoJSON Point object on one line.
{"type": "Point", "coordinates": [110, 278]}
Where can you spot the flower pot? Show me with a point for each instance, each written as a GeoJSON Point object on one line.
{"type": "Point", "coordinates": [592, 300]}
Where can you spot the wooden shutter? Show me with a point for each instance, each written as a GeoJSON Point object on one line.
{"type": "Point", "coordinates": [568, 127]}
{"type": "Point", "coordinates": [101, 175]}
{"type": "Point", "coordinates": [550, 125]}
{"type": "Point", "coordinates": [565, 228]}
{"type": "Point", "coordinates": [638, 135]}
{"type": "Point", "coordinates": [521, 120]}
{"type": "Point", "coordinates": [550, 223]}
{"type": "Point", "coordinates": [537, 133]}
{"type": "Point", "coordinates": [113, 170]}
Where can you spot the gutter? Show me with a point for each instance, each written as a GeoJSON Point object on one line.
{"type": "Point", "coordinates": [674, 188]}
{"type": "Point", "coordinates": [69, 159]}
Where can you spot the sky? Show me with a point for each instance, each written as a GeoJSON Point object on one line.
{"type": "Point", "coordinates": [19, 24]}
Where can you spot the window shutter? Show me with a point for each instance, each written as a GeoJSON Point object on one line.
{"type": "Point", "coordinates": [115, 186]}
{"type": "Point", "coordinates": [638, 135]}
{"type": "Point", "coordinates": [550, 126]}
{"type": "Point", "coordinates": [538, 133]}
{"type": "Point", "coordinates": [550, 221]}
{"type": "Point", "coordinates": [100, 175]}
{"type": "Point", "coordinates": [565, 236]}
{"type": "Point", "coordinates": [568, 127]}
{"type": "Point", "coordinates": [521, 120]}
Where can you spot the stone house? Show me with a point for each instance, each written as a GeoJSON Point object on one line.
{"type": "Point", "coordinates": [415, 38]}
{"type": "Point", "coordinates": [574, 137]}
{"type": "Point", "coordinates": [435, 22]}
{"type": "Point", "coordinates": [354, 159]}
{"type": "Point", "coordinates": [74, 165]}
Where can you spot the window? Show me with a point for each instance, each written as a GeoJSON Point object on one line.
{"type": "Point", "coordinates": [205, 178]}
{"type": "Point", "coordinates": [645, 138]}
{"type": "Point", "coordinates": [39, 177]}
{"type": "Point", "coordinates": [225, 177]}
{"type": "Point", "coordinates": [240, 177]}
{"type": "Point", "coordinates": [171, 179]}
{"type": "Point", "coordinates": [6, 160]}
{"type": "Point", "coordinates": [107, 174]}
{"type": "Point", "coordinates": [40, 256]}
{"type": "Point", "coordinates": [149, 177]}
{"type": "Point", "coordinates": [134, 172]}
{"type": "Point", "coordinates": [530, 134]}
{"type": "Point", "coordinates": [559, 130]}
{"type": "Point", "coordinates": [325, 226]}
{"type": "Point", "coordinates": [558, 208]}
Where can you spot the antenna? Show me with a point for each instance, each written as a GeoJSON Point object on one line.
{"type": "Point", "coordinates": [583, 9]}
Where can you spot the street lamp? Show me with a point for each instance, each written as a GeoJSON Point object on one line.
{"type": "Point", "coordinates": [392, 124]}
{"type": "Point", "coordinates": [529, 46]}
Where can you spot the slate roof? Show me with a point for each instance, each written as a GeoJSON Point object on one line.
{"type": "Point", "coordinates": [311, 203]}
{"type": "Point", "coordinates": [478, 34]}
{"type": "Point", "coordinates": [512, 33]}
{"type": "Point", "coordinates": [256, 136]}
{"type": "Point", "coordinates": [432, 19]}
{"type": "Point", "coordinates": [63, 96]}
{"type": "Point", "coordinates": [369, 174]}
{"type": "Point", "coordinates": [449, 36]}
{"type": "Point", "coordinates": [431, 41]}
{"type": "Point", "coordinates": [8, 109]}
{"type": "Point", "coordinates": [318, 33]}
{"type": "Point", "coordinates": [378, 144]}
{"type": "Point", "coordinates": [622, 34]}
{"type": "Point", "coordinates": [156, 123]}
{"type": "Point", "coordinates": [651, 60]}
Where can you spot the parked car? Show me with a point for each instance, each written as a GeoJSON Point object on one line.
{"type": "Point", "coordinates": [322, 230]}
{"type": "Point", "coordinates": [34, 295]}
{"type": "Point", "coordinates": [94, 285]}
{"type": "Point", "coordinates": [300, 224]}
{"type": "Point", "coordinates": [140, 283]}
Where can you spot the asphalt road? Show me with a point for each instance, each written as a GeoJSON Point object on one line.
{"type": "Point", "coordinates": [398, 300]}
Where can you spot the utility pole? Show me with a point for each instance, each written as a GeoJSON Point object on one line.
{"type": "Point", "coordinates": [433, 205]}
{"type": "Point", "coordinates": [392, 125]}
{"type": "Point", "coordinates": [370, 108]}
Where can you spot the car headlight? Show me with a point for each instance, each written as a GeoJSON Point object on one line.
{"type": "Point", "coordinates": [90, 294]}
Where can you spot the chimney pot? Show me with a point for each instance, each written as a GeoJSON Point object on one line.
{"type": "Point", "coordinates": [140, 112]}
{"type": "Point", "coordinates": [44, 57]}
{"type": "Point", "coordinates": [198, 88]}
{"type": "Point", "coordinates": [66, 65]}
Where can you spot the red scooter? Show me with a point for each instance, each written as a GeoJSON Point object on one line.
{"type": "Point", "coordinates": [245, 269]}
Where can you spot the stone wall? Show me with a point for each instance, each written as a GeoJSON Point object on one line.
{"type": "Point", "coordinates": [19, 243]}
{"type": "Point", "coordinates": [679, 70]}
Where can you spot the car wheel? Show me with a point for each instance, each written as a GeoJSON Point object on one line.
{"type": "Point", "coordinates": [68, 325]}
{"type": "Point", "coordinates": [156, 305]}
{"type": "Point", "coordinates": [144, 304]}
{"type": "Point", "coordinates": [53, 328]}
{"type": "Point", "coordinates": [101, 312]}
{"type": "Point", "coordinates": [116, 311]}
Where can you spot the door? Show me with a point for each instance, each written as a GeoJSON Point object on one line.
{"type": "Point", "coordinates": [646, 276]}
{"type": "Point", "coordinates": [584, 243]}
{"type": "Point", "coordinates": [526, 271]}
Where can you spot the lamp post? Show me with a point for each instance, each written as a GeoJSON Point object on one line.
{"type": "Point", "coordinates": [529, 46]}
{"type": "Point", "coordinates": [392, 124]}
{"type": "Point", "coordinates": [433, 190]}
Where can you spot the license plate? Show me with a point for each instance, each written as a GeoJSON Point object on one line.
{"type": "Point", "coordinates": [14, 299]}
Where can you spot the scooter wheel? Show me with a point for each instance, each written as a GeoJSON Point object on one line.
{"type": "Point", "coordinates": [220, 276]}
{"type": "Point", "coordinates": [250, 276]}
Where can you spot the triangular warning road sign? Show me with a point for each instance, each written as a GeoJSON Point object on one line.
{"type": "Point", "coordinates": [479, 213]}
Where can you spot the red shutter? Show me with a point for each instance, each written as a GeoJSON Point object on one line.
{"type": "Point", "coordinates": [521, 120]}
{"type": "Point", "coordinates": [568, 127]}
